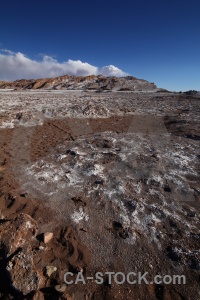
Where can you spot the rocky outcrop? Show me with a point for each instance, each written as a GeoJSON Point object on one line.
{"type": "Point", "coordinates": [29, 269]}
{"type": "Point", "coordinates": [92, 82]}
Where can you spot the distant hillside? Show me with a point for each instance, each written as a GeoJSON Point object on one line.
{"type": "Point", "coordinates": [92, 82]}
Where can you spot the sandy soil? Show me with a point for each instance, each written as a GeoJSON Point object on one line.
{"type": "Point", "coordinates": [114, 177]}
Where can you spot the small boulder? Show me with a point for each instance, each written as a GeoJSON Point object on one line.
{"type": "Point", "coordinates": [47, 237]}
{"type": "Point", "coordinates": [50, 270]}
{"type": "Point", "coordinates": [61, 288]}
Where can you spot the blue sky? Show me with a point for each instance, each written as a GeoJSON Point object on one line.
{"type": "Point", "coordinates": [155, 40]}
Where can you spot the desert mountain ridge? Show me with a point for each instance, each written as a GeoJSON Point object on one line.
{"type": "Point", "coordinates": [92, 82]}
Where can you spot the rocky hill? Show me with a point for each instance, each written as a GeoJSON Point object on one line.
{"type": "Point", "coordinates": [100, 83]}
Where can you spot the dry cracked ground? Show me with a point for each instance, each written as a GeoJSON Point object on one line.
{"type": "Point", "coordinates": [99, 182]}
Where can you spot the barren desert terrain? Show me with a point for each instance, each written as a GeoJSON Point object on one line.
{"type": "Point", "coordinates": [114, 176]}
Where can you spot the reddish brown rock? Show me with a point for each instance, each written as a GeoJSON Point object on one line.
{"type": "Point", "coordinates": [91, 82]}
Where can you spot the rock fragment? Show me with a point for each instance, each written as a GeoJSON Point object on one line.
{"type": "Point", "coordinates": [50, 270]}
{"type": "Point", "coordinates": [47, 237]}
{"type": "Point", "coordinates": [61, 288]}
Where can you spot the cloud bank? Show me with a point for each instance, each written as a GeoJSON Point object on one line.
{"type": "Point", "coordinates": [17, 66]}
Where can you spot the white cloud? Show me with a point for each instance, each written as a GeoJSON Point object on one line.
{"type": "Point", "coordinates": [112, 71]}
{"type": "Point", "coordinates": [17, 66]}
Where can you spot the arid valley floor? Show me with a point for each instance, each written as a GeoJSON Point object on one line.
{"type": "Point", "coordinates": [115, 177]}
